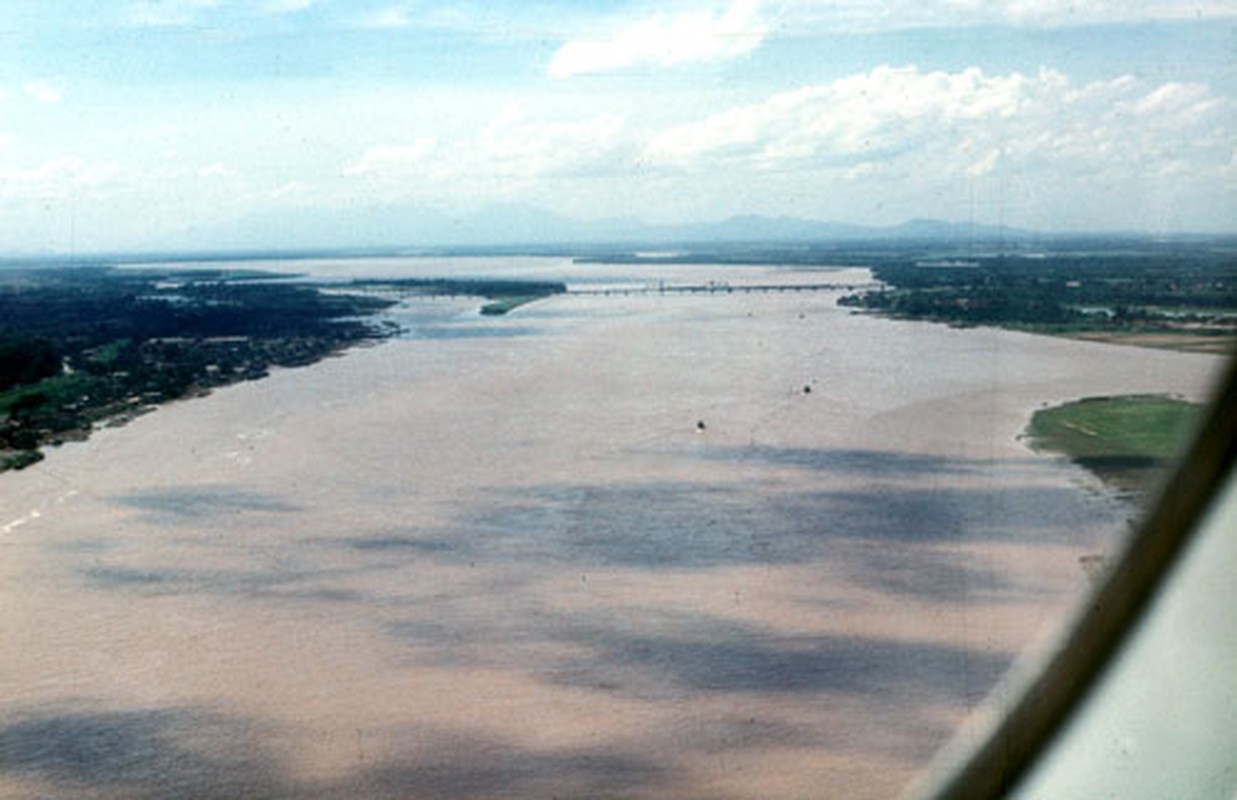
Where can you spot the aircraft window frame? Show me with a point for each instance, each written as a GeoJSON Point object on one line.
{"type": "Point", "coordinates": [1051, 692]}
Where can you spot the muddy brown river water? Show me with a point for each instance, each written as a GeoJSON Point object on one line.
{"type": "Point", "coordinates": [605, 546]}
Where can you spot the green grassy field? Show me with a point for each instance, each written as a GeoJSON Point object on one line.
{"type": "Point", "coordinates": [1127, 441]}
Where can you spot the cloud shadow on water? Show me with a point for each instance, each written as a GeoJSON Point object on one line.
{"type": "Point", "coordinates": [664, 525]}
{"type": "Point", "coordinates": [288, 584]}
{"type": "Point", "coordinates": [435, 763]}
{"type": "Point", "coordinates": [1030, 514]}
{"type": "Point", "coordinates": [202, 504]}
{"type": "Point", "coordinates": [903, 540]}
{"type": "Point", "coordinates": [702, 525]}
{"type": "Point", "coordinates": [660, 526]}
{"type": "Point", "coordinates": [851, 461]}
{"type": "Point", "coordinates": [406, 543]}
{"type": "Point", "coordinates": [928, 574]}
{"type": "Point", "coordinates": [188, 753]}
{"type": "Point", "coordinates": [750, 662]}
{"type": "Point", "coordinates": [139, 754]}
{"type": "Point", "coordinates": [663, 655]}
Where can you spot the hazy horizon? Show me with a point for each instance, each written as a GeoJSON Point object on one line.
{"type": "Point", "coordinates": [539, 232]}
{"type": "Point", "coordinates": [215, 124]}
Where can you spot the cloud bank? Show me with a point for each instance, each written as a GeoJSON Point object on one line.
{"type": "Point", "coordinates": [1045, 147]}
{"type": "Point", "coordinates": [861, 15]}
{"type": "Point", "coordinates": [961, 122]}
{"type": "Point", "coordinates": [668, 40]}
{"type": "Point", "coordinates": [665, 40]}
{"type": "Point", "coordinates": [935, 124]}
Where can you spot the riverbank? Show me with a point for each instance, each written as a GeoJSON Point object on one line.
{"type": "Point", "coordinates": [1181, 342]}
{"type": "Point", "coordinates": [1127, 441]}
{"type": "Point", "coordinates": [1179, 298]}
{"type": "Point", "coordinates": [85, 348]}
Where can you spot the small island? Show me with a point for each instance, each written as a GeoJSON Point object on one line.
{"type": "Point", "coordinates": [503, 295]}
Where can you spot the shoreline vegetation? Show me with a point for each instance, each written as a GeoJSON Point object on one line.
{"type": "Point", "coordinates": [89, 347]}
{"type": "Point", "coordinates": [1126, 441]}
{"type": "Point", "coordinates": [1178, 293]}
{"type": "Point", "coordinates": [1182, 300]}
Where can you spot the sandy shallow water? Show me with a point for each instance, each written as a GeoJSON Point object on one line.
{"type": "Point", "coordinates": [499, 558]}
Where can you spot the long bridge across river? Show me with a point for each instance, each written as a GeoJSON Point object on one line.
{"type": "Point", "coordinates": [721, 287]}
{"type": "Point", "coordinates": [463, 289]}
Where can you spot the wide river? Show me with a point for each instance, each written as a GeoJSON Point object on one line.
{"type": "Point", "coordinates": [720, 545]}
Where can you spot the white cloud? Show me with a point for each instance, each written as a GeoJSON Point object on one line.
{"type": "Point", "coordinates": [884, 144]}
{"type": "Point", "coordinates": [387, 18]}
{"type": "Point", "coordinates": [512, 148]}
{"type": "Point", "coordinates": [292, 191]}
{"type": "Point", "coordinates": [288, 6]}
{"type": "Point", "coordinates": [957, 122]}
{"type": "Point", "coordinates": [905, 142]}
{"type": "Point", "coordinates": [902, 14]}
{"type": "Point", "coordinates": [216, 170]}
{"type": "Point", "coordinates": [45, 91]}
{"type": "Point", "coordinates": [666, 40]}
{"type": "Point", "coordinates": [1066, 12]}
{"type": "Point", "coordinates": [513, 145]}
{"type": "Point", "coordinates": [57, 177]}
{"type": "Point", "coordinates": [985, 165]}
{"type": "Point", "coordinates": [392, 158]}
{"type": "Point", "coordinates": [168, 13]}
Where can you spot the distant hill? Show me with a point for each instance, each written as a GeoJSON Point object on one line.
{"type": "Point", "coordinates": [752, 228]}
{"type": "Point", "coordinates": [397, 226]}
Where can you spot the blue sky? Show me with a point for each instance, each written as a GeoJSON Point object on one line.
{"type": "Point", "coordinates": [165, 123]}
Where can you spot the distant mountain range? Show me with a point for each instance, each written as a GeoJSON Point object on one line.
{"type": "Point", "coordinates": [775, 229]}
{"type": "Point", "coordinates": [412, 226]}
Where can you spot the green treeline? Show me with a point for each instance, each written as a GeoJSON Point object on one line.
{"type": "Point", "coordinates": [26, 359]}
{"type": "Point", "coordinates": [83, 345]}
{"type": "Point", "coordinates": [1193, 290]}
